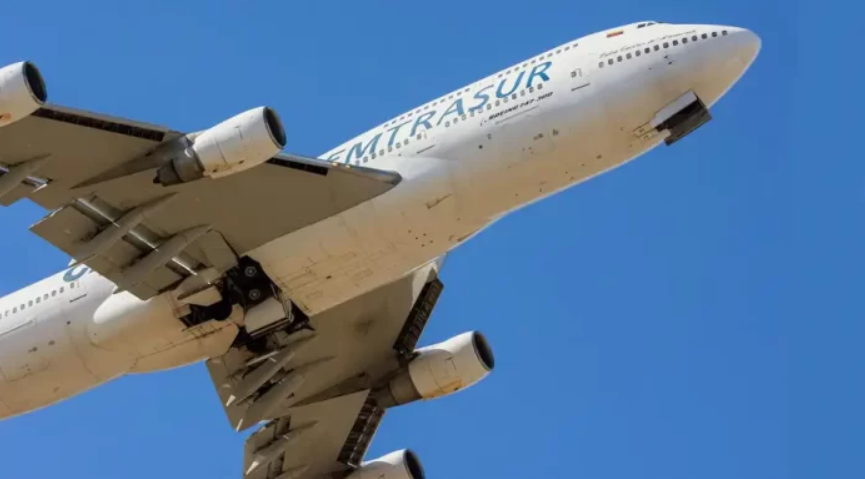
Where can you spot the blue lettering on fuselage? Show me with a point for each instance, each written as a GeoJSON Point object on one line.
{"type": "Point", "coordinates": [394, 131]}
{"type": "Point", "coordinates": [501, 93]}
{"type": "Point", "coordinates": [483, 97]}
{"type": "Point", "coordinates": [424, 121]}
{"type": "Point", "coordinates": [456, 108]}
{"type": "Point", "coordinates": [359, 150]}
{"type": "Point", "coordinates": [539, 71]}
{"type": "Point", "coordinates": [74, 274]}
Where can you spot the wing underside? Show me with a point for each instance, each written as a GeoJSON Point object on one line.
{"type": "Point", "coordinates": [326, 420]}
{"type": "Point", "coordinates": [209, 220]}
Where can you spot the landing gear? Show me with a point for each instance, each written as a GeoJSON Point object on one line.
{"type": "Point", "coordinates": [676, 120]}
{"type": "Point", "coordinates": [248, 286]}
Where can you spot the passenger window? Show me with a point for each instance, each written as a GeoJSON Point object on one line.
{"type": "Point", "coordinates": [600, 65]}
{"type": "Point", "coordinates": [38, 300]}
{"type": "Point", "coordinates": [657, 48]}
{"type": "Point", "coordinates": [629, 56]}
{"type": "Point", "coordinates": [705, 36]}
{"type": "Point", "coordinates": [14, 310]}
{"type": "Point", "coordinates": [540, 86]}
{"type": "Point", "coordinates": [610, 61]}
{"type": "Point", "coordinates": [380, 153]}
{"type": "Point", "coordinates": [62, 290]}
{"type": "Point", "coordinates": [684, 41]}
{"type": "Point", "coordinates": [447, 124]}
{"type": "Point", "coordinates": [531, 89]}
{"type": "Point", "coordinates": [619, 59]}
{"type": "Point", "coordinates": [46, 297]}
{"type": "Point", "coordinates": [714, 34]}
{"type": "Point", "coordinates": [514, 96]}
{"type": "Point", "coordinates": [694, 38]}
{"type": "Point", "coordinates": [54, 293]}
{"type": "Point", "coordinates": [724, 33]}
{"type": "Point", "coordinates": [30, 303]}
{"type": "Point", "coordinates": [523, 92]}
{"type": "Point", "coordinates": [675, 43]}
{"type": "Point", "coordinates": [638, 53]}
{"type": "Point", "coordinates": [666, 45]}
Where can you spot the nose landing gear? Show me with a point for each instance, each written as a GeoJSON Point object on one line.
{"type": "Point", "coordinates": [676, 120]}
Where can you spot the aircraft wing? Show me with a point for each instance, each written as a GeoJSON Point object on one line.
{"type": "Point", "coordinates": [85, 179]}
{"type": "Point", "coordinates": [324, 413]}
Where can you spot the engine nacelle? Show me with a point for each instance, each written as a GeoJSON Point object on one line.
{"type": "Point", "coordinates": [22, 91]}
{"type": "Point", "coordinates": [396, 465]}
{"type": "Point", "coordinates": [440, 370]}
{"type": "Point", "coordinates": [239, 143]}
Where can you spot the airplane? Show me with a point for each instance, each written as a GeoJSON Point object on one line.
{"type": "Point", "coordinates": [305, 283]}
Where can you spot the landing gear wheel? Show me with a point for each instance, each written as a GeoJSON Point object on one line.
{"type": "Point", "coordinates": [254, 294]}
{"type": "Point", "coordinates": [250, 271]}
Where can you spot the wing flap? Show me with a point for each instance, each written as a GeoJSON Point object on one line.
{"type": "Point", "coordinates": [322, 430]}
{"type": "Point", "coordinates": [247, 209]}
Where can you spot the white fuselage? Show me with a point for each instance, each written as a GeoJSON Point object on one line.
{"type": "Point", "coordinates": [466, 160]}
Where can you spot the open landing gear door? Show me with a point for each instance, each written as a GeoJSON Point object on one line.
{"type": "Point", "coordinates": [676, 120]}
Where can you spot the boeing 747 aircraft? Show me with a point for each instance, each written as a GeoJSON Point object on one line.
{"type": "Point", "coordinates": [306, 283]}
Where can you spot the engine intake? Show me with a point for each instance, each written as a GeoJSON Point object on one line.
{"type": "Point", "coordinates": [239, 143]}
{"type": "Point", "coordinates": [22, 91]}
{"type": "Point", "coordinates": [440, 370]}
{"type": "Point", "coordinates": [396, 465]}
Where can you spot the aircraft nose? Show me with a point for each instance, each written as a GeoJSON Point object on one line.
{"type": "Point", "coordinates": [746, 45]}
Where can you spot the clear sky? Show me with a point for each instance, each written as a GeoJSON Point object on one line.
{"type": "Point", "coordinates": [694, 314]}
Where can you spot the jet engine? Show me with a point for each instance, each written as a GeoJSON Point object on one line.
{"type": "Point", "coordinates": [22, 91]}
{"type": "Point", "coordinates": [440, 370]}
{"type": "Point", "coordinates": [396, 465]}
{"type": "Point", "coordinates": [239, 143]}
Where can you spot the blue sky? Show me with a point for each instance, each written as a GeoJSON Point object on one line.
{"type": "Point", "coordinates": [694, 314]}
